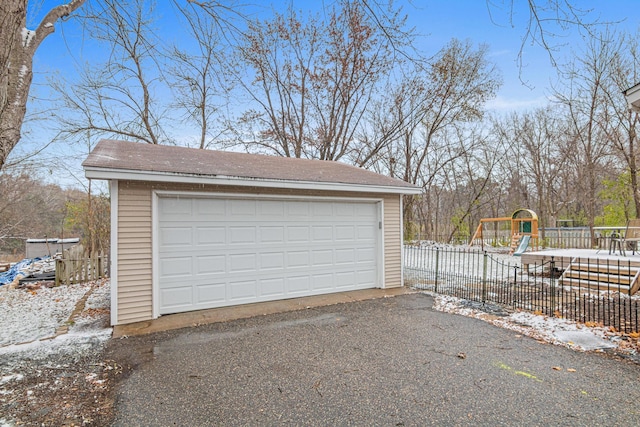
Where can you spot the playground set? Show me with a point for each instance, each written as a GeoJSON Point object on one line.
{"type": "Point", "coordinates": [581, 268]}
{"type": "Point", "coordinates": [524, 229]}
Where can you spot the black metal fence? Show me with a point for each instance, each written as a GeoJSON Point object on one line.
{"type": "Point", "coordinates": [601, 297]}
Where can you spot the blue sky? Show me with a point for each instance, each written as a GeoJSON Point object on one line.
{"type": "Point", "coordinates": [441, 20]}
{"type": "Point", "coordinates": [436, 21]}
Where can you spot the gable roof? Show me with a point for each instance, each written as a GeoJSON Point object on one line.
{"type": "Point", "coordinates": [123, 160]}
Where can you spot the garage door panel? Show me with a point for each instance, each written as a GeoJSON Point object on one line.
{"type": "Point", "coordinates": [211, 235]}
{"type": "Point", "coordinates": [272, 261]}
{"type": "Point", "coordinates": [271, 234]}
{"type": "Point", "coordinates": [242, 235]}
{"type": "Point", "coordinates": [344, 209]}
{"type": "Point", "coordinates": [366, 255]}
{"type": "Point", "coordinates": [175, 209]}
{"type": "Point", "coordinates": [322, 282]}
{"type": "Point", "coordinates": [322, 211]}
{"type": "Point", "coordinates": [211, 264]}
{"type": "Point", "coordinates": [246, 262]}
{"type": "Point", "coordinates": [298, 259]}
{"type": "Point", "coordinates": [209, 209]}
{"type": "Point", "coordinates": [366, 278]}
{"type": "Point", "coordinates": [211, 293]}
{"type": "Point", "coordinates": [233, 251]}
{"type": "Point", "coordinates": [322, 257]}
{"type": "Point", "coordinates": [345, 256]}
{"type": "Point", "coordinates": [366, 233]}
{"type": "Point", "coordinates": [297, 233]}
{"type": "Point", "coordinates": [176, 236]}
{"type": "Point", "coordinates": [272, 287]}
{"type": "Point", "coordinates": [322, 233]}
{"type": "Point", "coordinates": [298, 284]}
{"type": "Point", "coordinates": [271, 210]}
{"type": "Point", "coordinates": [345, 279]}
{"type": "Point", "coordinates": [175, 266]}
{"type": "Point", "coordinates": [242, 208]}
{"type": "Point", "coordinates": [243, 290]}
{"type": "Point", "coordinates": [177, 297]}
{"type": "Point", "coordinates": [368, 211]}
{"type": "Point", "coordinates": [298, 210]}
{"type": "Point", "coordinates": [345, 232]}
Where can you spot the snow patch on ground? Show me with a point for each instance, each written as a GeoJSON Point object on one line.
{"type": "Point", "coordinates": [50, 346]}
{"type": "Point", "coordinates": [29, 315]}
{"type": "Point", "coordinates": [549, 329]}
{"type": "Point", "coordinates": [29, 320]}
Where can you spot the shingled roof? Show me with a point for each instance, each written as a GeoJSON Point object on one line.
{"type": "Point", "coordinates": [112, 159]}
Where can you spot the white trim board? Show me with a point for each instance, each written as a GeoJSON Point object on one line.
{"type": "Point", "coordinates": [129, 175]}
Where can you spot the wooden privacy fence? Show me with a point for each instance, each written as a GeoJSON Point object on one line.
{"type": "Point", "coordinates": [75, 266]}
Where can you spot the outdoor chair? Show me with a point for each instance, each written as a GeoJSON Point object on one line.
{"type": "Point", "coordinates": [628, 240]}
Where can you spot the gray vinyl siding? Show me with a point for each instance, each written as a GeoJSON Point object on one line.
{"type": "Point", "coordinates": [134, 293]}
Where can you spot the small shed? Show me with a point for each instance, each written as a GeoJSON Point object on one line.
{"type": "Point", "coordinates": [197, 229]}
{"type": "Point", "coordinates": [35, 248]}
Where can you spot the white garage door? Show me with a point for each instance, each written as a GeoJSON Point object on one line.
{"type": "Point", "coordinates": [214, 252]}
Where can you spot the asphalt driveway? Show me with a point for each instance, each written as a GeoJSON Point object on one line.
{"type": "Point", "coordinates": [391, 361]}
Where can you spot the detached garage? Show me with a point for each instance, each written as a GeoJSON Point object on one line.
{"type": "Point", "coordinates": [198, 229]}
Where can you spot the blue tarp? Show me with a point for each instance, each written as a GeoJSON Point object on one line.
{"type": "Point", "coordinates": [16, 270]}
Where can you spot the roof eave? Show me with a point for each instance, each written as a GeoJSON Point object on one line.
{"type": "Point", "coordinates": [155, 176]}
{"type": "Point", "coordinates": [633, 97]}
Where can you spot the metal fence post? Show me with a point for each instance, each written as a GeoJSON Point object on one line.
{"type": "Point", "coordinates": [514, 292]}
{"type": "Point", "coordinates": [437, 268]}
{"type": "Point", "coordinates": [484, 277]}
{"type": "Point", "coordinates": [552, 266]}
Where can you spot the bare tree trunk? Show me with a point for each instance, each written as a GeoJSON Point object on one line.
{"type": "Point", "coordinates": [17, 47]}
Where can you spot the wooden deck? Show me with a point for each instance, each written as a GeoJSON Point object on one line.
{"type": "Point", "coordinates": [595, 269]}
{"type": "Point", "coordinates": [565, 256]}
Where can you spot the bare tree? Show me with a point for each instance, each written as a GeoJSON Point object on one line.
{"type": "Point", "coordinates": [541, 149]}
{"type": "Point", "coordinates": [585, 102]}
{"type": "Point", "coordinates": [199, 75]}
{"type": "Point", "coordinates": [117, 97]}
{"type": "Point", "coordinates": [621, 126]}
{"type": "Point", "coordinates": [430, 111]}
{"type": "Point", "coordinates": [17, 48]}
{"type": "Point", "coordinates": [312, 80]}
{"type": "Point", "coordinates": [545, 23]}
{"type": "Point", "coordinates": [30, 208]}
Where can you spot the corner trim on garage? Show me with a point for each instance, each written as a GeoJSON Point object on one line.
{"type": "Point", "coordinates": [155, 262]}
{"type": "Point", "coordinates": [402, 240]}
{"type": "Point", "coordinates": [113, 259]}
{"type": "Point", "coordinates": [381, 259]}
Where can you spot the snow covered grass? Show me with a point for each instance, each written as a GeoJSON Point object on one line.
{"type": "Point", "coordinates": [51, 343]}
{"type": "Point", "coordinates": [29, 315]}
{"type": "Point", "coordinates": [30, 319]}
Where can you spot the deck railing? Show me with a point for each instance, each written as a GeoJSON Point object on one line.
{"type": "Point", "coordinates": [490, 278]}
{"type": "Point", "coordinates": [554, 237]}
